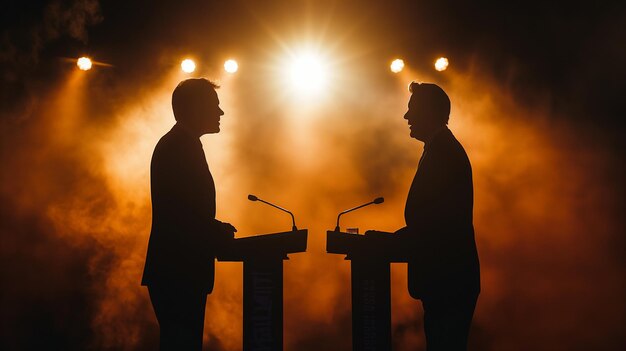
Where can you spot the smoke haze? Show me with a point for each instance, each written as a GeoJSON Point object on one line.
{"type": "Point", "coordinates": [75, 205]}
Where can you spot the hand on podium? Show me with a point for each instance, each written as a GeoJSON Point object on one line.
{"type": "Point", "coordinates": [228, 229]}
{"type": "Point", "coordinates": [404, 236]}
{"type": "Point", "coordinates": [402, 231]}
{"type": "Point", "coordinates": [226, 233]}
{"type": "Point", "coordinates": [377, 234]}
{"type": "Point", "coordinates": [390, 243]}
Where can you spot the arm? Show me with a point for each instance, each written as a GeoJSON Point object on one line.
{"type": "Point", "coordinates": [183, 197]}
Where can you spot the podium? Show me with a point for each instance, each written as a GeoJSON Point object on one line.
{"type": "Point", "coordinates": [370, 256]}
{"type": "Point", "coordinates": [262, 258]}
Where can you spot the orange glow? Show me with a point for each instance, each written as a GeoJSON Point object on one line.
{"type": "Point", "coordinates": [397, 65]}
{"type": "Point", "coordinates": [86, 180]}
{"type": "Point", "coordinates": [188, 66]}
{"type": "Point", "coordinates": [84, 63]}
{"type": "Point", "coordinates": [441, 64]}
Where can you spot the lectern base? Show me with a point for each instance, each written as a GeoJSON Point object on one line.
{"type": "Point", "coordinates": [263, 305]}
{"type": "Point", "coordinates": [371, 306]}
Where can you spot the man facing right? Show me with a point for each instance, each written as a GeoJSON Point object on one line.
{"type": "Point", "coordinates": [443, 269]}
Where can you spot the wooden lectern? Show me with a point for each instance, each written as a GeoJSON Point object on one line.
{"type": "Point", "coordinates": [370, 256]}
{"type": "Point", "coordinates": [262, 258]}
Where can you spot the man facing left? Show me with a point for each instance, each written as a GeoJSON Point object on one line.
{"type": "Point", "coordinates": [185, 236]}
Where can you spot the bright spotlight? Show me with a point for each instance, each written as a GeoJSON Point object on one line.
{"type": "Point", "coordinates": [188, 65]}
{"type": "Point", "coordinates": [84, 63]}
{"type": "Point", "coordinates": [441, 64]}
{"type": "Point", "coordinates": [397, 65]}
{"type": "Point", "coordinates": [231, 66]}
{"type": "Point", "coordinates": [307, 73]}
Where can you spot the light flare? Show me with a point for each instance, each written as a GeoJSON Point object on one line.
{"type": "Point", "coordinates": [84, 63]}
{"type": "Point", "coordinates": [188, 66]}
{"type": "Point", "coordinates": [397, 65]}
{"type": "Point", "coordinates": [441, 64]}
{"type": "Point", "coordinates": [307, 73]}
{"type": "Point", "coordinates": [231, 66]}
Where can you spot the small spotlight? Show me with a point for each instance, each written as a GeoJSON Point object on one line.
{"type": "Point", "coordinates": [231, 66]}
{"type": "Point", "coordinates": [188, 65]}
{"type": "Point", "coordinates": [84, 63]}
{"type": "Point", "coordinates": [397, 65]}
{"type": "Point", "coordinates": [441, 64]}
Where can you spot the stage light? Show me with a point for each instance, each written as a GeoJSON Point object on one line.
{"type": "Point", "coordinates": [84, 63]}
{"type": "Point", "coordinates": [397, 65]}
{"type": "Point", "coordinates": [307, 73]}
{"type": "Point", "coordinates": [441, 64]}
{"type": "Point", "coordinates": [231, 66]}
{"type": "Point", "coordinates": [188, 65]}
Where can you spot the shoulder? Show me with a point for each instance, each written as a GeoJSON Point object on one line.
{"type": "Point", "coordinates": [171, 138]}
{"type": "Point", "coordinates": [171, 148]}
{"type": "Point", "coordinates": [448, 148]}
{"type": "Point", "coordinates": [174, 141]}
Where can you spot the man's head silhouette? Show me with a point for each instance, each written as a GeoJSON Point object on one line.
{"type": "Point", "coordinates": [429, 110]}
{"type": "Point", "coordinates": [196, 106]}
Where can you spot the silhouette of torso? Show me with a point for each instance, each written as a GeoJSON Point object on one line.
{"type": "Point", "coordinates": [443, 259]}
{"type": "Point", "coordinates": [181, 250]}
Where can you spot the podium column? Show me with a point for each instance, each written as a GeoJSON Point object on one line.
{"type": "Point", "coordinates": [371, 305]}
{"type": "Point", "coordinates": [262, 257]}
{"type": "Point", "coordinates": [263, 304]}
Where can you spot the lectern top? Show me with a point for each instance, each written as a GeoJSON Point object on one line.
{"type": "Point", "coordinates": [379, 246]}
{"type": "Point", "coordinates": [265, 246]}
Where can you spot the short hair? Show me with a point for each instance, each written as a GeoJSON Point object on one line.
{"type": "Point", "coordinates": [433, 98]}
{"type": "Point", "coordinates": [188, 94]}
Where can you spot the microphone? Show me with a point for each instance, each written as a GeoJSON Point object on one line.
{"type": "Point", "coordinates": [378, 200]}
{"type": "Point", "coordinates": [293, 220]}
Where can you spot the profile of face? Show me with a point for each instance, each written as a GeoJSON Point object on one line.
{"type": "Point", "coordinates": [421, 120]}
{"type": "Point", "coordinates": [205, 113]}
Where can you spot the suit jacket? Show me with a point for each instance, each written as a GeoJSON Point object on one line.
{"type": "Point", "coordinates": [439, 230]}
{"type": "Point", "coordinates": [185, 234]}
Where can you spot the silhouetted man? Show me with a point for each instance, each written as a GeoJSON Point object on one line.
{"type": "Point", "coordinates": [180, 262]}
{"type": "Point", "coordinates": [443, 261]}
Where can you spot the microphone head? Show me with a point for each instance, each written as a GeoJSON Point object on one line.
{"type": "Point", "coordinates": [252, 197]}
{"type": "Point", "coordinates": [379, 200]}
